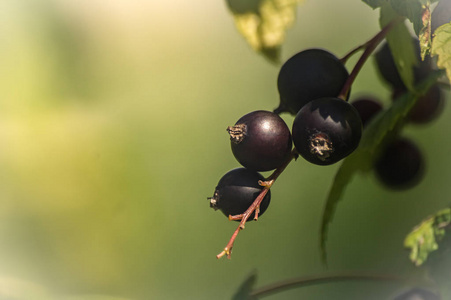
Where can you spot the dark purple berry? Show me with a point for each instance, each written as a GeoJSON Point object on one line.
{"type": "Point", "coordinates": [400, 165]}
{"type": "Point", "coordinates": [260, 140]}
{"type": "Point", "coordinates": [326, 130]}
{"type": "Point", "coordinates": [387, 68]}
{"type": "Point", "coordinates": [308, 75]}
{"type": "Point", "coordinates": [237, 190]}
{"type": "Point", "coordinates": [427, 108]}
{"type": "Point", "coordinates": [367, 107]}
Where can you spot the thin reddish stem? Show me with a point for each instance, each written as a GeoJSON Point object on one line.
{"type": "Point", "coordinates": [244, 217]}
{"type": "Point", "coordinates": [255, 206]}
{"type": "Point", "coordinates": [352, 52]}
{"type": "Point", "coordinates": [334, 277]}
{"type": "Point", "coordinates": [369, 48]}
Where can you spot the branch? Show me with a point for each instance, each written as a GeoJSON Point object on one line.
{"type": "Point", "coordinates": [320, 279]}
{"type": "Point", "coordinates": [369, 48]}
{"type": "Point", "coordinates": [255, 206]}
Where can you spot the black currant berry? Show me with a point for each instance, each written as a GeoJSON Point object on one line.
{"type": "Point", "coordinates": [417, 294]}
{"type": "Point", "coordinates": [367, 107]}
{"type": "Point", "coordinates": [387, 68]}
{"type": "Point", "coordinates": [326, 130]}
{"type": "Point", "coordinates": [237, 190]}
{"type": "Point", "coordinates": [427, 108]}
{"type": "Point", "coordinates": [400, 165]}
{"type": "Point", "coordinates": [308, 75]}
{"type": "Point", "coordinates": [260, 140]}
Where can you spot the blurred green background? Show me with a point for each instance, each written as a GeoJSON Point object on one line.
{"type": "Point", "coordinates": [112, 134]}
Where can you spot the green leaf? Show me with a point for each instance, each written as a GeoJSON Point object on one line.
{"type": "Point", "coordinates": [245, 289]}
{"type": "Point", "coordinates": [441, 47]}
{"type": "Point", "coordinates": [401, 46]}
{"type": "Point", "coordinates": [375, 3]}
{"type": "Point", "coordinates": [424, 238]}
{"type": "Point", "coordinates": [412, 9]}
{"type": "Point", "coordinates": [381, 129]}
{"type": "Point", "coordinates": [419, 13]}
{"type": "Point", "coordinates": [263, 23]}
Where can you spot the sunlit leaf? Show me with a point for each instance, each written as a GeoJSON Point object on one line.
{"type": "Point", "coordinates": [263, 23]}
{"type": "Point", "coordinates": [441, 47]}
{"type": "Point", "coordinates": [383, 127]}
{"type": "Point", "coordinates": [400, 42]}
{"type": "Point", "coordinates": [424, 238]}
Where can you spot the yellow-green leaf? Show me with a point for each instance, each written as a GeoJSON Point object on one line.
{"type": "Point", "coordinates": [423, 239]}
{"type": "Point", "coordinates": [263, 23]}
{"type": "Point", "coordinates": [441, 47]}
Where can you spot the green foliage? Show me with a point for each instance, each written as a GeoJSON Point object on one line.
{"type": "Point", "coordinates": [417, 11]}
{"type": "Point", "coordinates": [401, 46]}
{"type": "Point", "coordinates": [441, 47]}
{"type": "Point", "coordinates": [411, 9]}
{"type": "Point", "coordinates": [263, 23]}
{"type": "Point", "coordinates": [424, 238]}
{"type": "Point", "coordinates": [380, 130]}
{"type": "Point", "coordinates": [386, 125]}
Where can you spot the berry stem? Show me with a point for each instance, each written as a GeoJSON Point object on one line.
{"type": "Point", "coordinates": [369, 48]}
{"type": "Point", "coordinates": [352, 52]}
{"type": "Point", "coordinates": [267, 184]}
{"type": "Point", "coordinates": [333, 277]}
{"type": "Point", "coordinates": [255, 206]}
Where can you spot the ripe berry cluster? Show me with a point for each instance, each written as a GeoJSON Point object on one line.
{"type": "Point", "coordinates": [314, 86]}
{"type": "Point", "coordinates": [325, 130]}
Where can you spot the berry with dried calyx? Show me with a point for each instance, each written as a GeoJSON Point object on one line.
{"type": "Point", "coordinates": [260, 140]}
{"type": "Point", "coordinates": [326, 130]}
